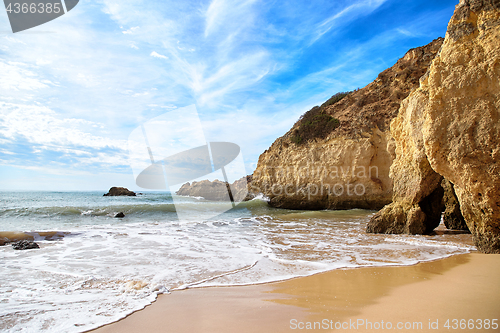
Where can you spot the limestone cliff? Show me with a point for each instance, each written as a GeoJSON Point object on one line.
{"type": "Point", "coordinates": [450, 127]}
{"type": "Point", "coordinates": [452, 216]}
{"type": "Point", "coordinates": [338, 155]}
{"type": "Point", "coordinates": [218, 190]}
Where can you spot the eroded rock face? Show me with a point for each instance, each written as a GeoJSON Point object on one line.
{"type": "Point", "coordinates": [349, 168]}
{"type": "Point", "coordinates": [462, 121]}
{"type": "Point", "coordinates": [450, 127]}
{"type": "Point", "coordinates": [452, 216]}
{"type": "Point", "coordinates": [217, 190]}
{"type": "Point", "coordinates": [337, 174]}
{"type": "Point", "coordinates": [416, 184]}
{"type": "Point", "coordinates": [119, 191]}
{"type": "Point", "coordinates": [210, 190]}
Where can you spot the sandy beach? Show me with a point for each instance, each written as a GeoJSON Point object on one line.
{"type": "Point", "coordinates": [421, 297]}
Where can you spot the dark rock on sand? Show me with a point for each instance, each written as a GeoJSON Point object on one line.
{"type": "Point", "coordinates": [25, 245]}
{"type": "Point", "coordinates": [119, 191]}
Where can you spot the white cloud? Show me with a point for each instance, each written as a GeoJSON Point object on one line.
{"type": "Point", "coordinates": [407, 32]}
{"type": "Point", "coordinates": [184, 48]}
{"type": "Point", "coordinates": [230, 15]}
{"type": "Point", "coordinates": [17, 76]}
{"type": "Point", "coordinates": [157, 55]}
{"type": "Point", "coordinates": [348, 14]}
{"type": "Point", "coordinates": [130, 31]}
{"type": "Point", "coordinates": [250, 66]}
{"type": "Point", "coordinates": [44, 129]}
{"type": "Point", "coordinates": [14, 40]}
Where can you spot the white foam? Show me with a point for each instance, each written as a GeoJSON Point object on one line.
{"type": "Point", "coordinates": [261, 197]}
{"type": "Point", "coordinates": [98, 273]}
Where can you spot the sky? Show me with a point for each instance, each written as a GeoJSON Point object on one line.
{"type": "Point", "coordinates": [74, 89]}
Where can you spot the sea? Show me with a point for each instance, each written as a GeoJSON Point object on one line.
{"type": "Point", "coordinates": [93, 269]}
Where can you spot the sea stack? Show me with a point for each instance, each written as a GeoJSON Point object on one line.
{"type": "Point", "coordinates": [449, 129]}
{"type": "Point", "coordinates": [218, 190]}
{"type": "Point", "coordinates": [119, 191]}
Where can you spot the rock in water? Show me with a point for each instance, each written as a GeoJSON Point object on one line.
{"type": "Point", "coordinates": [209, 190]}
{"type": "Point", "coordinates": [120, 215]}
{"type": "Point", "coordinates": [452, 217]}
{"type": "Point", "coordinates": [450, 127]}
{"type": "Point", "coordinates": [25, 245]}
{"type": "Point", "coordinates": [338, 155]}
{"type": "Point", "coordinates": [217, 190]}
{"type": "Point", "coordinates": [119, 191]}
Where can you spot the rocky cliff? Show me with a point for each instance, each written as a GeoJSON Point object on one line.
{"type": "Point", "coordinates": [217, 190]}
{"type": "Point", "coordinates": [449, 128]}
{"type": "Point", "coordinates": [452, 216]}
{"type": "Point", "coordinates": [338, 155]}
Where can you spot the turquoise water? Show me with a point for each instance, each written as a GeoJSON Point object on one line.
{"type": "Point", "coordinates": [92, 268]}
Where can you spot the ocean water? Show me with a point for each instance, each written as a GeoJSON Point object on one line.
{"type": "Point", "coordinates": [92, 269]}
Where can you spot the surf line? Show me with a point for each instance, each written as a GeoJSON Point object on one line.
{"type": "Point", "coordinates": [189, 285]}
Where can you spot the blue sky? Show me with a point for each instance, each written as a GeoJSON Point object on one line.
{"type": "Point", "coordinates": [72, 90]}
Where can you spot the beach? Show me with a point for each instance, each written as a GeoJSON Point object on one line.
{"type": "Point", "coordinates": [425, 295]}
{"type": "Point", "coordinates": [93, 269]}
{"type": "Point", "coordinates": [214, 166]}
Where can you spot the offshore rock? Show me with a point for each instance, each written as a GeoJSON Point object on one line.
{"type": "Point", "coordinates": [209, 190]}
{"type": "Point", "coordinates": [450, 127]}
{"type": "Point", "coordinates": [119, 191]}
{"type": "Point", "coordinates": [347, 166]}
{"type": "Point", "coordinates": [452, 216]}
{"type": "Point", "coordinates": [218, 190]}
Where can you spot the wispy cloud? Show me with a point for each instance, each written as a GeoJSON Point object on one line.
{"type": "Point", "coordinates": [18, 76]}
{"type": "Point", "coordinates": [251, 67]}
{"type": "Point", "coordinates": [228, 15]}
{"type": "Point", "coordinates": [38, 129]}
{"type": "Point", "coordinates": [350, 13]}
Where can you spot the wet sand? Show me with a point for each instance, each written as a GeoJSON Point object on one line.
{"type": "Point", "coordinates": [420, 297]}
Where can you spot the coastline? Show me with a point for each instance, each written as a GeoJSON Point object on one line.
{"type": "Point", "coordinates": [457, 287]}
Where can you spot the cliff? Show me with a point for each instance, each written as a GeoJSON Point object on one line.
{"type": "Point", "coordinates": [217, 190]}
{"type": "Point", "coordinates": [338, 155]}
{"type": "Point", "coordinates": [449, 128]}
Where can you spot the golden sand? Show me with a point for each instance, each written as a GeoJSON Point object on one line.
{"type": "Point", "coordinates": [463, 287]}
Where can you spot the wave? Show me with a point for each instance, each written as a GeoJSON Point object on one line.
{"type": "Point", "coordinates": [191, 204]}
{"type": "Point", "coordinates": [257, 202]}
{"type": "Point", "coordinates": [87, 211]}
